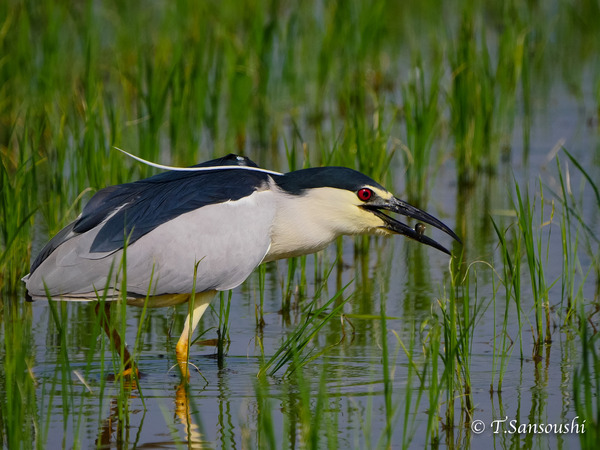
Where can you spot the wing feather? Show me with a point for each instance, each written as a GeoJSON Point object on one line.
{"type": "Point", "coordinates": [220, 220]}
{"type": "Point", "coordinates": [226, 241]}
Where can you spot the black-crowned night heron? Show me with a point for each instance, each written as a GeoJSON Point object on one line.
{"type": "Point", "coordinates": [218, 220]}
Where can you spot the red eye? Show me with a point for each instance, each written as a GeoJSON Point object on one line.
{"type": "Point", "coordinates": [365, 194]}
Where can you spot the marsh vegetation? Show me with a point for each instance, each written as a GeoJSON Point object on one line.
{"type": "Point", "coordinates": [486, 114]}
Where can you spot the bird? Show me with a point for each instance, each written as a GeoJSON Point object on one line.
{"type": "Point", "coordinates": [192, 232]}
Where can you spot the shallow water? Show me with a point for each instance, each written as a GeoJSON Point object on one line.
{"type": "Point", "coordinates": [223, 400]}
{"type": "Point", "coordinates": [225, 406]}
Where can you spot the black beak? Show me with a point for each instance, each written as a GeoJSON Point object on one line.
{"type": "Point", "coordinates": [398, 206]}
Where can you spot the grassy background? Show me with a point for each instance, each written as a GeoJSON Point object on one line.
{"type": "Point", "coordinates": [437, 101]}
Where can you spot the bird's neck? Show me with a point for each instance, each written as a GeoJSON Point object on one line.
{"type": "Point", "coordinates": [309, 222]}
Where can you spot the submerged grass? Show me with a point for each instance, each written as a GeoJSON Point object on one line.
{"type": "Point", "coordinates": [17, 206]}
{"type": "Point", "coordinates": [535, 257]}
{"type": "Point", "coordinates": [422, 121]}
{"type": "Point", "coordinates": [336, 83]}
{"type": "Point", "coordinates": [586, 384]}
{"type": "Point", "coordinates": [511, 279]}
{"type": "Point", "coordinates": [19, 408]}
{"type": "Point", "coordinates": [292, 352]}
{"type": "Point", "coordinates": [412, 404]}
{"type": "Point", "coordinates": [459, 317]}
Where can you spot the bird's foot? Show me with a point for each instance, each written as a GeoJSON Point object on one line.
{"type": "Point", "coordinates": [130, 375]}
{"type": "Point", "coordinates": [182, 354]}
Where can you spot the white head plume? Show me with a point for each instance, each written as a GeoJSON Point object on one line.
{"type": "Point", "coordinates": [197, 169]}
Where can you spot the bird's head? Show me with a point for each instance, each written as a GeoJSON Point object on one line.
{"type": "Point", "coordinates": [338, 200]}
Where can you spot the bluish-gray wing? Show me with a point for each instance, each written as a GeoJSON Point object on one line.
{"type": "Point", "coordinates": [138, 208]}
{"type": "Point", "coordinates": [225, 241]}
{"type": "Point", "coordinates": [133, 209]}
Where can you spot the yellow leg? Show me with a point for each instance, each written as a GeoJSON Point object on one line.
{"type": "Point", "coordinates": [182, 349]}
{"type": "Point", "coordinates": [182, 410]}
